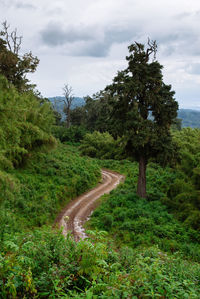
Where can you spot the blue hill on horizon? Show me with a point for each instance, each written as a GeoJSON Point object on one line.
{"type": "Point", "coordinates": [58, 104]}
{"type": "Point", "coordinates": [190, 117]}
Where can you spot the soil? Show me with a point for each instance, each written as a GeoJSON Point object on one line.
{"type": "Point", "coordinates": [78, 211]}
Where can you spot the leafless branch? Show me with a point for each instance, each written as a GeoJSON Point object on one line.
{"type": "Point", "coordinates": [152, 49]}
{"type": "Point", "coordinates": [12, 40]}
{"type": "Point", "coordinates": [67, 91]}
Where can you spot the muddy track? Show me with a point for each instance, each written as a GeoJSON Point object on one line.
{"type": "Point", "coordinates": [76, 213]}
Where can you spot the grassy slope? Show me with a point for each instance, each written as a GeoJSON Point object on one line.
{"type": "Point", "coordinates": [33, 195]}
{"type": "Point", "coordinates": [145, 222]}
{"type": "Point", "coordinates": [43, 264]}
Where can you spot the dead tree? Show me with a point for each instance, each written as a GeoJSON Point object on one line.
{"type": "Point", "coordinates": [67, 91]}
{"type": "Point", "coordinates": [12, 40]}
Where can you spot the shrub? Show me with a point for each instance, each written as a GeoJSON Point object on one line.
{"type": "Point", "coordinates": [43, 264]}
{"type": "Point", "coordinates": [102, 146]}
{"type": "Point", "coordinates": [74, 134]}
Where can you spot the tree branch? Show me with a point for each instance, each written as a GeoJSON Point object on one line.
{"type": "Point", "coordinates": [13, 41]}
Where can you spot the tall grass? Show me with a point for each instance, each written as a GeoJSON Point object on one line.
{"type": "Point", "coordinates": [33, 194]}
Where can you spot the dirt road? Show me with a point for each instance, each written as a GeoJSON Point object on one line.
{"type": "Point", "coordinates": [78, 210]}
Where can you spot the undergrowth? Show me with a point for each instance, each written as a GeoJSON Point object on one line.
{"type": "Point", "coordinates": [144, 251]}
{"type": "Point", "coordinates": [140, 222]}
{"type": "Point", "coordinates": [43, 264]}
{"type": "Point", "coordinates": [32, 195]}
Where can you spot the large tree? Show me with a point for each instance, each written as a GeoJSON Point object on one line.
{"type": "Point", "coordinates": [143, 108]}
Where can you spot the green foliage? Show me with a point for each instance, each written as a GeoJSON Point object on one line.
{"type": "Point", "coordinates": [160, 262]}
{"type": "Point", "coordinates": [8, 186]}
{"type": "Point", "coordinates": [102, 146]}
{"type": "Point", "coordinates": [94, 115]}
{"type": "Point", "coordinates": [43, 264]}
{"type": "Point", "coordinates": [14, 66]}
{"type": "Point", "coordinates": [144, 222]}
{"type": "Point", "coordinates": [25, 124]}
{"type": "Point", "coordinates": [189, 142]}
{"type": "Point", "coordinates": [184, 194]}
{"type": "Point", "coordinates": [73, 134]}
{"type": "Point", "coordinates": [138, 222]}
{"type": "Point", "coordinates": [179, 189]}
{"type": "Point", "coordinates": [143, 107]}
{"type": "Point", "coordinates": [33, 195]}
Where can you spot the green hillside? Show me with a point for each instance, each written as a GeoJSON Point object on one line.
{"type": "Point", "coordinates": [190, 118]}
{"type": "Point", "coordinates": [150, 246]}
{"type": "Point", "coordinates": [144, 238]}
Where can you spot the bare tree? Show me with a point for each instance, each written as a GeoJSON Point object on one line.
{"type": "Point", "coordinates": [68, 93]}
{"type": "Point", "coordinates": [13, 41]}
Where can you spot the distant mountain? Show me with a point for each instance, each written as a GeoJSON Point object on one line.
{"type": "Point", "coordinates": [58, 104]}
{"type": "Point", "coordinates": [190, 118]}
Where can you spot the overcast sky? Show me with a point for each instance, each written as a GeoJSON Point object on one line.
{"type": "Point", "coordinates": [84, 42]}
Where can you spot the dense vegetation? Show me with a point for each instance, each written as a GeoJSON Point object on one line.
{"type": "Point", "coordinates": [25, 125]}
{"type": "Point", "coordinates": [149, 248]}
{"type": "Point", "coordinates": [102, 146]}
{"type": "Point", "coordinates": [32, 195]}
{"type": "Point", "coordinates": [47, 265]}
{"type": "Point", "coordinates": [182, 191]}
{"type": "Point", "coordinates": [162, 257]}
{"type": "Point", "coordinates": [138, 222]}
{"type": "Point", "coordinates": [149, 252]}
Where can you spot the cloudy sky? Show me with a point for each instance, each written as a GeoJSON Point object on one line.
{"type": "Point", "coordinates": [84, 42]}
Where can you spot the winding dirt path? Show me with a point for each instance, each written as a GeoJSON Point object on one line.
{"type": "Point", "coordinates": [76, 213]}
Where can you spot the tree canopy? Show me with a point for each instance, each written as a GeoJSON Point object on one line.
{"type": "Point", "coordinates": [14, 66]}
{"type": "Point", "coordinates": [95, 114]}
{"type": "Point", "coordinates": [143, 108]}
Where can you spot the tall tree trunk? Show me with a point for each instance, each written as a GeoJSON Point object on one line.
{"type": "Point", "coordinates": [141, 186]}
{"type": "Point", "coordinates": [68, 118]}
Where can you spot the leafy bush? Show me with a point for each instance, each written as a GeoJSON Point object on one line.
{"type": "Point", "coordinates": [44, 264]}
{"type": "Point", "coordinates": [138, 222]}
{"type": "Point", "coordinates": [102, 146]}
{"type": "Point", "coordinates": [73, 134]}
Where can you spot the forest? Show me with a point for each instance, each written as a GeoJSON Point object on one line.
{"type": "Point", "coordinates": [144, 237]}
